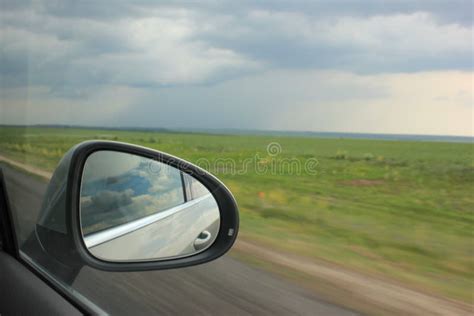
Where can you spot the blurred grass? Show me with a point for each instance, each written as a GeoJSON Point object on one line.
{"type": "Point", "coordinates": [400, 209]}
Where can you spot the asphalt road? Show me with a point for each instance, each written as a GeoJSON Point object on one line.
{"type": "Point", "coordinates": [222, 287]}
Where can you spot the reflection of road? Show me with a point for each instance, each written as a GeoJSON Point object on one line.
{"type": "Point", "coordinates": [223, 287]}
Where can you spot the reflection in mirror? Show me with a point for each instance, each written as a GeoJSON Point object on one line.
{"type": "Point", "coordinates": [137, 209]}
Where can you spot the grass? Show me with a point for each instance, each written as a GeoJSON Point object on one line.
{"type": "Point", "coordinates": [399, 209]}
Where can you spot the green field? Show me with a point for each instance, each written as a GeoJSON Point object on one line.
{"type": "Point", "coordinates": [399, 209]}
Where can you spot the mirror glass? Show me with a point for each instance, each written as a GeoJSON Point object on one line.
{"type": "Point", "coordinates": [134, 208]}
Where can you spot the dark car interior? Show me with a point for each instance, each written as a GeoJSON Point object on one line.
{"type": "Point", "coordinates": [22, 292]}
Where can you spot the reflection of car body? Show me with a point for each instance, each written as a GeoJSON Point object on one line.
{"type": "Point", "coordinates": [178, 231]}
{"type": "Point", "coordinates": [126, 199]}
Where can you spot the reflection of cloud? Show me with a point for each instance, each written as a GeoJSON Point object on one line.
{"type": "Point", "coordinates": [106, 201]}
{"type": "Point", "coordinates": [106, 164]}
{"type": "Point", "coordinates": [163, 178]}
{"type": "Point", "coordinates": [124, 190]}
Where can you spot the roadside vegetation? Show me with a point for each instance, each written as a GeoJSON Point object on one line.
{"type": "Point", "coordinates": [398, 209]}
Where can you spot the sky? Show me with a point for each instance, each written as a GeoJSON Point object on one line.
{"type": "Point", "coordinates": [402, 67]}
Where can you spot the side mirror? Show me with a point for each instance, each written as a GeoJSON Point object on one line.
{"type": "Point", "coordinates": [120, 207]}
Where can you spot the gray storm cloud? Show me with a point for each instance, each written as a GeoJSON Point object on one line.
{"type": "Point", "coordinates": [218, 60]}
{"type": "Point", "coordinates": [142, 44]}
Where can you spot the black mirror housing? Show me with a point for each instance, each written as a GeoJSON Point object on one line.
{"type": "Point", "coordinates": [59, 225]}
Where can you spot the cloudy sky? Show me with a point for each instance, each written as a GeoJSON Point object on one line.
{"type": "Point", "coordinates": [349, 66]}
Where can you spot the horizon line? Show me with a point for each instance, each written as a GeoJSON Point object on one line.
{"type": "Point", "coordinates": [247, 130]}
